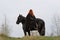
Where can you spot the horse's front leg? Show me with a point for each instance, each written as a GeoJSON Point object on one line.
{"type": "Point", "coordinates": [29, 33]}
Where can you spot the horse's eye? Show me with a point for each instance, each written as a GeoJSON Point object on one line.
{"type": "Point", "coordinates": [18, 17]}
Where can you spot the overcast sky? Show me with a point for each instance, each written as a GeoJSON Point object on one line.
{"type": "Point", "coordinates": [43, 9]}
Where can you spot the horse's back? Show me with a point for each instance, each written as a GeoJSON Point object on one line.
{"type": "Point", "coordinates": [40, 21]}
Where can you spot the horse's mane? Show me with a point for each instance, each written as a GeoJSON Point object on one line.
{"type": "Point", "coordinates": [22, 16]}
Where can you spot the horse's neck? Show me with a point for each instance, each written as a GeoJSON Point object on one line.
{"type": "Point", "coordinates": [23, 21]}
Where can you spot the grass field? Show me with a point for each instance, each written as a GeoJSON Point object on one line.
{"type": "Point", "coordinates": [3, 37]}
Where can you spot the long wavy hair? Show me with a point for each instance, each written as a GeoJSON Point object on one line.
{"type": "Point", "coordinates": [31, 12]}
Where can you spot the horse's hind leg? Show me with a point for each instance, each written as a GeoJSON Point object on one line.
{"type": "Point", "coordinates": [39, 32]}
{"type": "Point", "coordinates": [25, 33]}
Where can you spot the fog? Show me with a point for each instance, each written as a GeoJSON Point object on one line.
{"type": "Point", "coordinates": [44, 9]}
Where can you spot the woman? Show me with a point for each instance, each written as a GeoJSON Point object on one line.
{"type": "Point", "coordinates": [30, 21]}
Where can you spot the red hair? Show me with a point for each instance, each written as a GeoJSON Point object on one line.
{"type": "Point", "coordinates": [31, 12]}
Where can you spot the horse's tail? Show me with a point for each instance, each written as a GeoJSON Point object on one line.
{"type": "Point", "coordinates": [41, 27]}
{"type": "Point", "coordinates": [42, 33]}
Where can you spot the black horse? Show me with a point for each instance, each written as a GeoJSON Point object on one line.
{"type": "Point", "coordinates": [39, 22]}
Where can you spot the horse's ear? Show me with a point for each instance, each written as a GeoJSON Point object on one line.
{"type": "Point", "coordinates": [19, 14]}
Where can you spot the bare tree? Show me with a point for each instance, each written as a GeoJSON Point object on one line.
{"type": "Point", "coordinates": [55, 25]}
{"type": "Point", "coordinates": [5, 28]}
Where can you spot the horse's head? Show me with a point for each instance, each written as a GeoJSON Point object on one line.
{"type": "Point", "coordinates": [19, 19]}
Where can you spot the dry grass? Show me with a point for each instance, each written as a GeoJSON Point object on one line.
{"type": "Point", "coordinates": [3, 37]}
